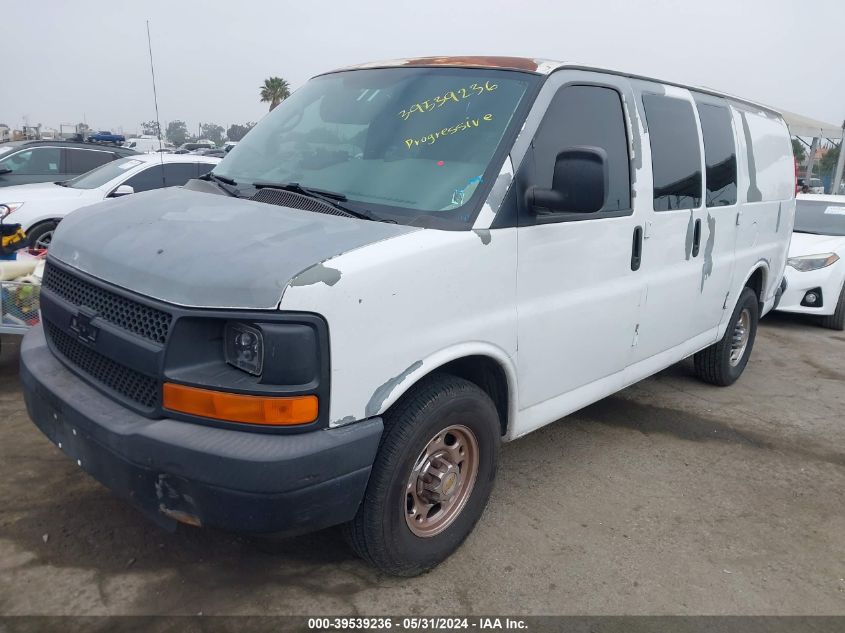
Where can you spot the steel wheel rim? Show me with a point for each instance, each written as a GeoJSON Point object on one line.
{"type": "Point", "coordinates": [441, 481]}
{"type": "Point", "coordinates": [740, 336]}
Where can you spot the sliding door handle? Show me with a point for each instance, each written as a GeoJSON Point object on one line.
{"type": "Point", "coordinates": [637, 248]}
{"type": "Point", "coordinates": [696, 238]}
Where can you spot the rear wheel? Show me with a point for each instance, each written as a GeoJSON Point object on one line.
{"type": "Point", "coordinates": [723, 363]}
{"type": "Point", "coordinates": [431, 479]}
{"type": "Point", "coordinates": [836, 321]}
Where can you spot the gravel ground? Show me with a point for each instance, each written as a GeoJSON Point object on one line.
{"type": "Point", "coordinates": [671, 497]}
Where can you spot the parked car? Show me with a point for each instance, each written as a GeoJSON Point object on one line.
{"type": "Point", "coordinates": [815, 185]}
{"type": "Point", "coordinates": [146, 144]}
{"type": "Point", "coordinates": [193, 146]}
{"type": "Point", "coordinates": [24, 162]}
{"type": "Point", "coordinates": [815, 272]}
{"type": "Point", "coordinates": [218, 152]}
{"type": "Point", "coordinates": [38, 208]}
{"type": "Point", "coordinates": [400, 267]}
{"type": "Point", "coordinates": [107, 137]}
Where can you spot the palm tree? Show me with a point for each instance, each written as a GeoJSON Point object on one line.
{"type": "Point", "coordinates": [275, 90]}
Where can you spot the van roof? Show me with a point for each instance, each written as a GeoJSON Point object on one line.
{"type": "Point", "coordinates": [537, 66]}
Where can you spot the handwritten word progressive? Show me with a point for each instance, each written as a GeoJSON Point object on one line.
{"type": "Point", "coordinates": [431, 139]}
{"type": "Point", "coordinates": [451, 96]}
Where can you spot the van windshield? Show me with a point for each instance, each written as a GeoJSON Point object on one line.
{"type": "Point", "coordinates": [820, 218]}
{"type": "Point", "coordinates": [411, 144]}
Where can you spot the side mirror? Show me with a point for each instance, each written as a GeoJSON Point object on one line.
{"type": "Point", "coordinates": [122, 190]}
{"type": "Point", "coordinates": [579, 184]}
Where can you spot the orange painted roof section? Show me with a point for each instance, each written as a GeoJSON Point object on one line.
{"type": "Point", "coordinates": [476, 61]}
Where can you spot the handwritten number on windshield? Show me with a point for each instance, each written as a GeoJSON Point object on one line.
{"type": "Point", "coordinates": [455, 96]}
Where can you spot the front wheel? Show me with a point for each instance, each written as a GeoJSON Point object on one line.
{"type": "Point", "coordinates": [836, 321]}
{"type": "Point", "coordinates": [41, 235]}
{"type": "Point", "coordinates": [431, 479]}
{"type": "Point", "coordinates": [723, 363]}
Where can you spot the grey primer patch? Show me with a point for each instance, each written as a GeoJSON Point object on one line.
{"type": "Point", "coordinates": [116, 241]}
{"type": "Point", "coordinates": [349, 419]}
{"type": "Point", "coordinates": [316, 274]}
{"type": "Point", "coordinates": [690, 234]}
{"type": "Point", "coordinates": [501, 185]}
{"type": "Point", "coordinates": [383, 393]}
{"type": "Point", "coordinates": [707, 267]}
{"type": "Point", "coordinates": [484, 234]}
{"type": "Point", "coordinates": [754, 193]}
{"type": "Point", "coordinates": [632, 113]}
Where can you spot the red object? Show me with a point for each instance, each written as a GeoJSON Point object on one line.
{"type": "Point", "coordinates": [440, 163]}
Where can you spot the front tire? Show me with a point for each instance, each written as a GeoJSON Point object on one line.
{"type": "Point", "coordinates": [431, 478]}
{"type": "Point", "coordinates": [836, 321]}
{"type": "Point", "coordinates": [723, 363]}
{"type": "Point", "coordinates": [41, 235]}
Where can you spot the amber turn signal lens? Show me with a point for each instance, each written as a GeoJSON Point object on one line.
{"type": "Point", "coordinates": [236, 407]}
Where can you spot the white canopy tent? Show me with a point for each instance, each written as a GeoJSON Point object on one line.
{"type": "Point", "coordinates": [800, 125]}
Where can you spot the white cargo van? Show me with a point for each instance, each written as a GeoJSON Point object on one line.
{"type": "Point", "coordinates": [147, 144]}
{"type": "Point", "coordinates": [400, 267]}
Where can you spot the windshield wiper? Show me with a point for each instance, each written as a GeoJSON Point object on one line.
{"type": "Point", "coordinates": [226, 184]}
{"type": "Point", "coordinates": [332, 198]}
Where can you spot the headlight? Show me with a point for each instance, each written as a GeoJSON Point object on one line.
{"type": "Point", "coordinates": [244, 347]}
{"type": "Point", "coordinates": [806, 263]}
{"type": "Point", "coordinates": [9, 208]}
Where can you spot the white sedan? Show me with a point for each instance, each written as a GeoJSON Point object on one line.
{"type": "Point", "coordinates": [39, 207]}
{"type": "Point", "coordinates": [815, 270]}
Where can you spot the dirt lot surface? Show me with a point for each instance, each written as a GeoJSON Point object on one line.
{"type": "Point", "coordinates": [670, 497]}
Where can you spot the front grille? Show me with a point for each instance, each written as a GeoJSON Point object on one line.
{"type": "Point", "coordinates": [130, 315]}
{"type": "Point", "coordinates": [130, 384]}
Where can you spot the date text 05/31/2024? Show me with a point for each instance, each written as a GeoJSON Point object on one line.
{"type": "Point", "coordinates": [417, 623]}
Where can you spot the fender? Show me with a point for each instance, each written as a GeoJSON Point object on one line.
{"type": "Point", "coordinates": [761, 264]}
{"type": "Point", "coordinates": [394, 388]}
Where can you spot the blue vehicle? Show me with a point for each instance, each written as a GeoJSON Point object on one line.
{"type": "Point", "coordinates": [107, 137]}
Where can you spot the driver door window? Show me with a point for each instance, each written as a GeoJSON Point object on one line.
{"type": "Point", "coordinates": [586, 116]}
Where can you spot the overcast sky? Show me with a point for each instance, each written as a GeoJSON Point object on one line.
{"type": "Point", "coordinates": [87, 59]}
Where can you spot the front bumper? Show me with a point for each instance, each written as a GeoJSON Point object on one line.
{"type": "Point", "coordinates": [180, 471]}
{"type": "Point", "coordinates": [798, 283]}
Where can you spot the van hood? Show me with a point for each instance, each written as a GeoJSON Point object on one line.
{"type": "Point", "coordinates": [212, 251]}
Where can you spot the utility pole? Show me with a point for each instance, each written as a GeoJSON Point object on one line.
{"type": "Point", "coordinates": [811, 159]}
{"type": "Point", "coordinates": [837, 175]}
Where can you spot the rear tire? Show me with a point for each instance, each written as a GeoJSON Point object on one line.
{"type": "Point", "coordinates": [723, 363]}
{"type": "Point", "coordinates": [395, 529]}
{"type": "Point", "coordinates": [836, 321]}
